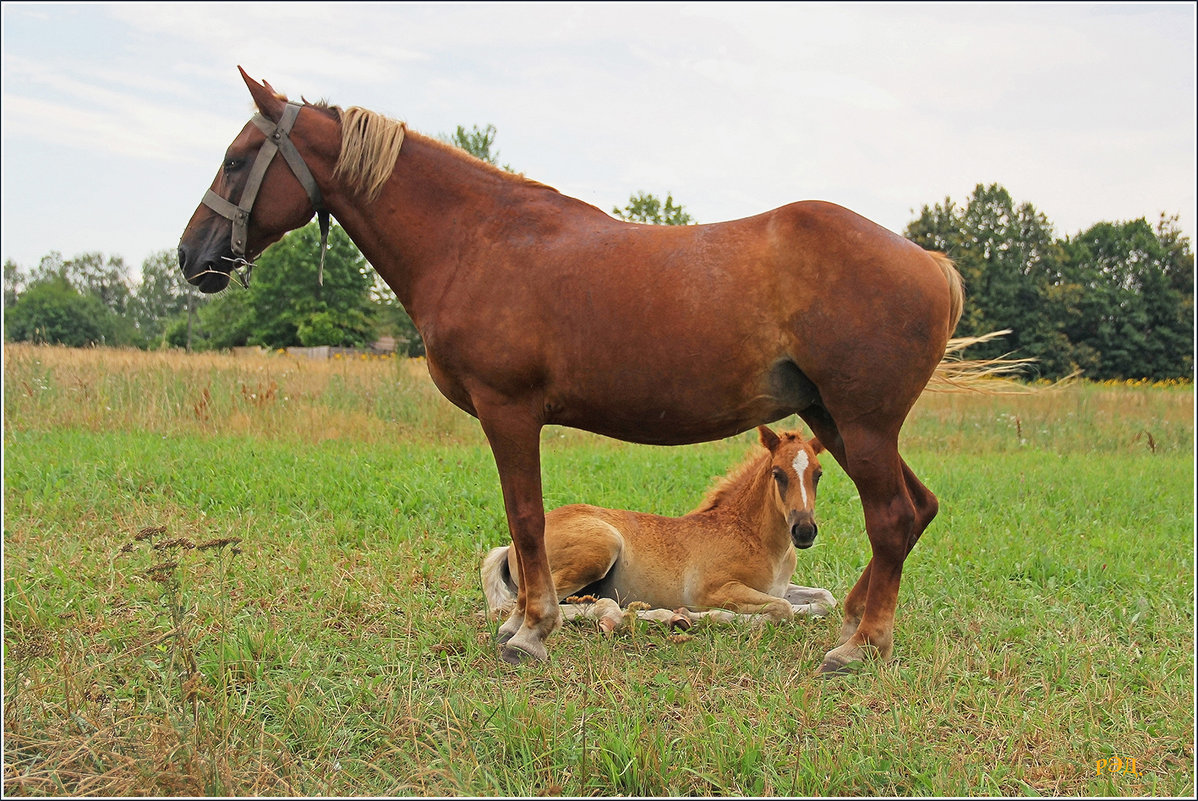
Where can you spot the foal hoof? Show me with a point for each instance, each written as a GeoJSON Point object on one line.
{"type": "Point", "coordinates": [680, 620]}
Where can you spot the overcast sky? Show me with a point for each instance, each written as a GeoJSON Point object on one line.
{"type": "Point", "coordinates": [115, 116]}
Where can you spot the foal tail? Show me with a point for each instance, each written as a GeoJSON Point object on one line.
{"type": "Point", "coordinates": [498, 585]}
{"type": "Point", "coordinates": [955, 374]}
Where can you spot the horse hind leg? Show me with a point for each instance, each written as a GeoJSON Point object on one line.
{"type": "Point", "coordinates": [926, 508]}
{"type": "Point", "coordinates": [893, 522]}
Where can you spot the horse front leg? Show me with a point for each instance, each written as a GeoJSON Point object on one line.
{"type": "Point", "coordinates": [515, 443]}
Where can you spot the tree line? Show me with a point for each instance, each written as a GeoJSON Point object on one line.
{"type": "Point", "coordinates": [1115, 301]}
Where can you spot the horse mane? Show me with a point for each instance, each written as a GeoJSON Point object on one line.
{"type": "Point", "coordinates": [370, 144]}
{"type": "Point", "coordinates": [732, 484]}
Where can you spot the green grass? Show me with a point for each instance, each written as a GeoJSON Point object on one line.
{"type": "Point", "coordinates": [330, 639]}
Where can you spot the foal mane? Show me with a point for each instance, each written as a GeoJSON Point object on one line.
{"type": "Point", "coordinates": [736, 482]}
{"type": "Point", "coordinates": [732, 485]}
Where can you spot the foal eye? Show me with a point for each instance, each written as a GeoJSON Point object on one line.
{"type": "Point", "coordinates": [780, 477]}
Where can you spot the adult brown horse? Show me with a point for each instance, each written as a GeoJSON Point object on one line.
{"type": "Point", "coordinates": [536, 308]}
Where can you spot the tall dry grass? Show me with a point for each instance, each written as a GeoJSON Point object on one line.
{"type": "Point", "coordinates": [261, 394]}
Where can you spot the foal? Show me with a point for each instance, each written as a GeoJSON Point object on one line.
{"type": "Point", "coordinates": [735, 552]}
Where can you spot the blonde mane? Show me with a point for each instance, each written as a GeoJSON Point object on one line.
{"type": "Point", "coordinates": [370, 145]}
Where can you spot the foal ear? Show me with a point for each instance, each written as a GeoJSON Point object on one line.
{"type": "Point", "coordinates": [816, 445]}
{"type": "Point", "coordinates": [269, 102]}
{"type": "Point", "coordinates": [768, 438]}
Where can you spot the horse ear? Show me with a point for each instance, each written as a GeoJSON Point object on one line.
{"type": "Point", "coordinates": [268, 101]}
{"type": "Point", "coordinates": [816, 445]}
{"type": "Point", "coordinates": [768, 438]}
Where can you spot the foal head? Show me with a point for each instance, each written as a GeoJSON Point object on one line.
{"type": "Point", "coordinates": [795, 473]}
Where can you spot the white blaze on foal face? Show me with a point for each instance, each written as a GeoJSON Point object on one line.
{"type": "Point", "coordinates": [800, 464]}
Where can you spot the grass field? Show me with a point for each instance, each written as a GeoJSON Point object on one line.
{"type": "Point", "coordinates": [259, 576]}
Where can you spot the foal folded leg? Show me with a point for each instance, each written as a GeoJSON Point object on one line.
{"type": "Point", "coordinates": [582, 550]}
{"type": "Point", "coordinates": [743, 599]}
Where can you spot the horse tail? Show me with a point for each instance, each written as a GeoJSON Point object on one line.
{"type": "Point", "coordinates": [987, 376]}
{"type": "Point", "coordinates": [498, 585]}
{"type": "Point", "coordinates": [956, 288]}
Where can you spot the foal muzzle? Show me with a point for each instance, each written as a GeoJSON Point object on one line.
{"type": "Point", "coordinates": [802, 529]}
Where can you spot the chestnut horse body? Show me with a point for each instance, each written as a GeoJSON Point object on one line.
{"type": "Point", "coordinates": [536, 308]}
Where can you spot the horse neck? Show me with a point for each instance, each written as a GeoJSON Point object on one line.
{"type": "Point", "coordinates": [439, 206]}
{"type": "Point", "coordinates": [745, 498]}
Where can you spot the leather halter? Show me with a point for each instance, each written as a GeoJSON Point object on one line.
{"type": "Point", "coordinates": [277, 141]}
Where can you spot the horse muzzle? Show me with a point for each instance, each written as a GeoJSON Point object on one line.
{"type": "Point", "coordinates": [802, 529]}
{"type": "Point", "coordinates": [206, 274]}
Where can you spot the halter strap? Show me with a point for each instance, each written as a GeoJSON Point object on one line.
{"type": "Point", "coordinates": [277, 141]}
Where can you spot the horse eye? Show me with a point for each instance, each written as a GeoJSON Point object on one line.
{"type": "Point", "coordinates": [232, 164]}
{"type": "Point", "coordinates": [816, 477]}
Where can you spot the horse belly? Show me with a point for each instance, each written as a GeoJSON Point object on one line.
{"type": "Point", "coordinates": [666, 402]}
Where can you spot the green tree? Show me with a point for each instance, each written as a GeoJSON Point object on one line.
{"type": "Point", "coordinates": [225, 321]}
{"type": "Point", "coordinates": [287, 306]}
{"type": "Point", "coordinates": [648, 208]}
{"type": "Point", "coordinates": [1129, 308]}
{"type": "Point", "coordinates": [162, 295]}
{"type": "Point", "coordinates": [15, 281]}
{"type": "Point", "coordinates": [1115, 301]}
{"type": "Point", "coordinates": [91, 273]}
{"type": "Point", "coordinates": [52, 311]}
{"type": "Point", "coordinates": [1008, 257]}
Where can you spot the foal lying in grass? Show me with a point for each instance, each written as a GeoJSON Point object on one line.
{"type": "Point", "coordinates": [735, 552]}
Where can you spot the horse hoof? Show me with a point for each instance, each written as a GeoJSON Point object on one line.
{"type": "Point", "coordinates": [518, 656]}
{"type": "Point", "coordinates": [832, 668]}
{"type": "Point", "coordinates": [841, 660]}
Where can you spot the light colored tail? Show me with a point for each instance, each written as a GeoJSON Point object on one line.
{"type": "Point", "coordinates": [985, 376]}
{"type": "Point", "coordinates": [498, 584]}
{"type": "Point", "coordinates": [956, 290]}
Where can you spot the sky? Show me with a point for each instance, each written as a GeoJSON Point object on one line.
{"type": "Point", "coordinates": [115, 116]}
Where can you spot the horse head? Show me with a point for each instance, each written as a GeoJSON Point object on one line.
{"type": "Point", "coordinates": [255, 199]}
{"type": "Point", "coordinates": [795, 471]}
